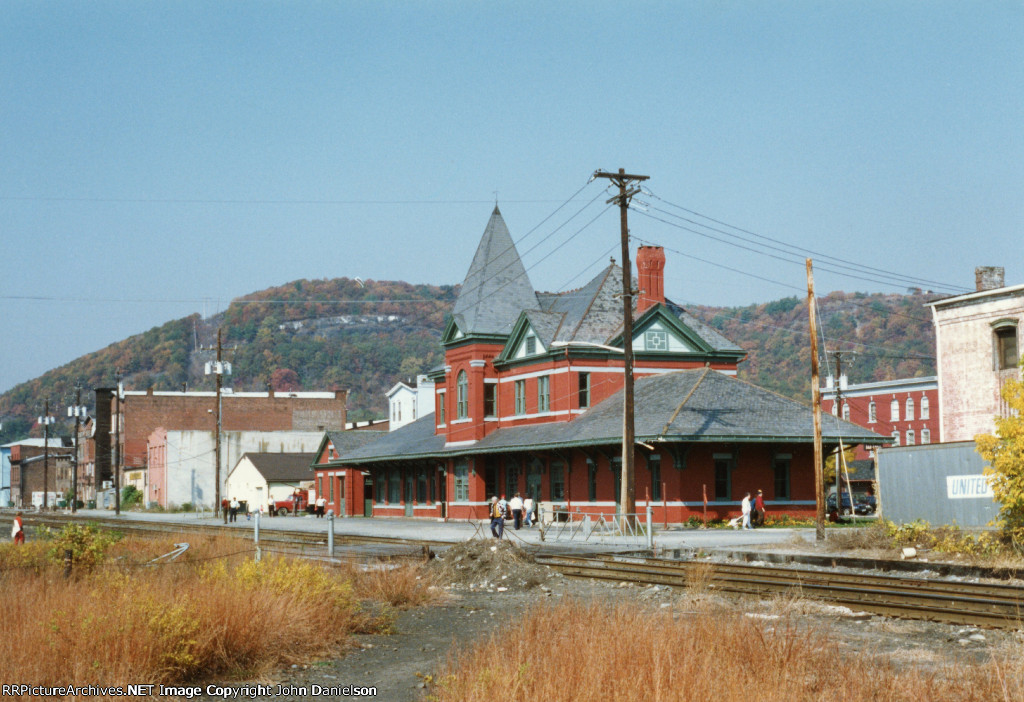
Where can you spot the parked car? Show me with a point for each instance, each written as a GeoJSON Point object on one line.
{"type": "Point", "coordinates": [847, 507]}
{"type": "Point", "coordinates": [865, 504]}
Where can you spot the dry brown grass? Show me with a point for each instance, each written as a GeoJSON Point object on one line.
{"type": "Point", "coordinates": [574, 652]}
{"type": "Point", "coordinates": [399, 585]}
{"type": "Point", "coordinates": [213, 613]}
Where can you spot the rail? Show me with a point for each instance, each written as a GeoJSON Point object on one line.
{"type": "Point", "coordinates": [978, 604]}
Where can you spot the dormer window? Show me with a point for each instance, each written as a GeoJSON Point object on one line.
{"type": "Point", "coordinates": [462, 393]}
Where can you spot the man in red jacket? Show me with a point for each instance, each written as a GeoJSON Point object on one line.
{"type": "Point", "coordinates": [18, 529]}
{"type": "Point", "coordinates": [759, 506]}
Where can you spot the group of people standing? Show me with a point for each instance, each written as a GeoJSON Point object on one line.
{"type": "Point", "coordinates": [517, 509]}
{"type": "Point", "coordinates": [751, 512]}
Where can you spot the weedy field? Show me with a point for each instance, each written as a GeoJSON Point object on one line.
{"type": "Point", "coordinates": [577, 650]}
{"type": "Point", "coordinates": [213, 612]}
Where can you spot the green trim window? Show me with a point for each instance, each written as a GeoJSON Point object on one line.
{"type": "Point", "coordinates": [520, 388]}
{"type": "Point", "coordinates": [440, 408]}
{"type": "Point", "coordinates": [724, 463]}
{"type": "Point", "coordinates": [462, 388]}
{"type": "Point", "coordinates": [490, 399]}
{"type": "Point", "coordinates": [331, 481]}
{"type": "Point", "coordinates": [491, 476]}
{"type": "Point", "coordinates": [654, 464]}
{"type": "Point", "coordinates": [591, 481]}
{"type": "Point", "coordinates": [462, 480]}
{"type": "Point", "coordinates": [421, 487]}
{"type": "Point", "coordinates": [584, 390]}
{"type": "Point", "coordinates": [655, 340]}
{"type": "Point", "coordinates": [395, 488]}
{"type": "Point", "coordinates": [780, 469]}
{"type": "Point", "coordinates": [557, 491]}
{"type": "Point", "coordinates": [543, 393]}
{"type": "Point", "coordinates": [531, 345]}
{"type": "Point", "coordinates": [511, 477]}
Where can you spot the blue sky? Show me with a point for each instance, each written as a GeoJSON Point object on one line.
{"type": "Point", "coordinates": [158, 155]}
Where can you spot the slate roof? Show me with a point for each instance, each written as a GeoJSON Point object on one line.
{"type": "Point", "coordinates": [496, 288]}
{"type": "Point", "coordinates": [352, 439]}
{"type": "Point", "coordinates": [279, 467]}
{"type": "Point", "coordinates": [689, 405]}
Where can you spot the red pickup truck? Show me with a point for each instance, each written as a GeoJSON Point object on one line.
{"type": "Point", "coordinates": [296, 503]}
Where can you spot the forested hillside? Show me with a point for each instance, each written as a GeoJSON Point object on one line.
{"type": "Point", "coordinates": [365, 336]}
{"type": "Point", "coordinates": [881, 337]}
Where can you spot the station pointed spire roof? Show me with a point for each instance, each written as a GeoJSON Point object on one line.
{"type": "Point", "coordinates": [496, 289]}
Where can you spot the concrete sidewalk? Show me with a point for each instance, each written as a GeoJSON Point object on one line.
{"type": "Point", "coordinates": [457, 531]}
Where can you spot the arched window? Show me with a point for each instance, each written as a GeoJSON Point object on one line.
{"type": "Point", "coordinates": [925, 407]}
{"type": "Point", "coordinates": [894, 410]}
{"type": "Point", "coordinates": [1006, 346]}
{"type": "Point", "coordinates": [846, 411]}
{"type": "Point", "coordinates": [910, 409]}
{"type": "Point", "coordinates": [910, 437]}
{"type": "Point", "coordinates": [462, 393]}
{"type": "Point", "coordinates": [926, 435]}
{"type": "Point", "coordinates": [872, 412]}
{"type": "Point", "coordinates": [896, 438]}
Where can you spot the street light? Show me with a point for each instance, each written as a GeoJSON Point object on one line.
{"type": "Point", "coordinates": [79, 412]}
{"type": "Point", "coordinates": [46, 420]}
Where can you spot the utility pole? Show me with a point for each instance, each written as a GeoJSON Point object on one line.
{"type": "Point", "coordinates": [819, 478]}
{"type": "Point", "coordinates": [627, 189]}
{"type": "Point", "coordinates": [117, 445]}
{"type": "Point", "coordinates": [46, 420]}
{"type": "Point", "coordinates": [218, 369]}
{"type": "Point", "coordinates": [78, 411]}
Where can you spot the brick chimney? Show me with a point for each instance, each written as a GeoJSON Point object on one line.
{"type": "Point", "coordinates": [650, 266]}
{"type": "Point", "coordinates": [988, 278]}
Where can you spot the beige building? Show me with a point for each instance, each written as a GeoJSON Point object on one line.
{"type": "Point", "coordinates": [977, 340]}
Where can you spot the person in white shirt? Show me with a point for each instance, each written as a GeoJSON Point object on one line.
{"type": "Point", "coordinates": [321, 505]}
{"type": "Point", "coordinates": [745, 509]}
{"type": "Point", "coordinates": [528, 511]}
{"type": "Point", "coordinates": [516, 505]}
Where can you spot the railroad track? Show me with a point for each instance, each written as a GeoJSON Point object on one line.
{"type": "Point", "coordinates": [271, 540]}
{"type": "Point", "coordinates": [976, 604]}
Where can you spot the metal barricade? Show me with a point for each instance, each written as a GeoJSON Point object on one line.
{"type": "Point", "coordinates": [634, 529]}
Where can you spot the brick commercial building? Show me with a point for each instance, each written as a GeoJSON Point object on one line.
{"type": "Point", "coordinates": [144, 412]}
{"type": "Point", "coordinates": [348, 491]}
{"type": "Point", "coordinates": [30, 467]}
{"type": "Point", "coordinates": [530, 400]}
{"type": "Point", "coordinates": [977, 339]}
{"type": "Point", "coordinates": [906, 410]}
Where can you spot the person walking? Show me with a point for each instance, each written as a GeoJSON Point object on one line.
{"type": "Point", "coordinates": [321, 506]}
{"type": "Point", "coordinates": [528, 511]}
{"type": "Point", "coordinates": [759, 509]}
{"type": "Point", "coordinates": [18, 529]}
{"type": "Point", "coordinates": [745, 509]}
{"type": "Point", "coordinates": [497, 518]}
{"type": "Point", "coordinates": [516, 505]}
{"type": "Point", "coordinates": [233, 506]}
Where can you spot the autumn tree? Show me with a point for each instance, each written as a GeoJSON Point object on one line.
{"type": "Point", "coordinates": [1004, 452]}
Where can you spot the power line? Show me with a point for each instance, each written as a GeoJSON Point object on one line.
{"type": "Point", "coordinates": [226, 201]}
{"type": "Point", "coordinates": [805, 251]}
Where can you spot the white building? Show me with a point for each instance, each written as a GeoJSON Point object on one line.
{"type": "Point", "coordinates": [407, 403]}
{"type": "Point", "coordinates": [181, 463]}
{"type": "Point", "coordinates": [977, 339]}
{"type": "Point", "coordinates": [260, 478]}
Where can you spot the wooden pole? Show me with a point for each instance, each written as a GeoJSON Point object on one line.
{"type": "Point", "coordinates": [819, 478]}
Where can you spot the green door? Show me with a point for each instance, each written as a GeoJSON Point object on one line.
{"type": "Point", "coordinates": [368, 497]}
{"type": "Point", "coordinates": [410, 488]}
